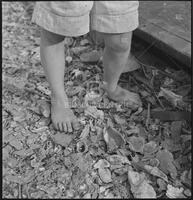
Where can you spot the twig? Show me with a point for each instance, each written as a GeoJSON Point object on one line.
{"type": "Point", "coordinates": [20, 191]}
{"type": "Point", "coordinates": [186, 131]}
{"type": "Point", "coordinates": [158, 99]}
{"type": "Point", "coordinates": [160, 71]}
{"type": "Point", "coordinates": [27, 191]}
{"type": "Point", "coordinates": [148, 116]}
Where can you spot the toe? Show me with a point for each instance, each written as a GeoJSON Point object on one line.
{"type": "Point", "coordinates": [69, 126]}
{"type": "Point", "coordinates": [59, 125]}
{"type": "Point", "coordinates": [64, 127]}
{"type": "Point", "coordinates": [76, 124]}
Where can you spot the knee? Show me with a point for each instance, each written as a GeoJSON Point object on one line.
{"type": "Point", "coordinates": [50, 37]}
{"type": "Point", "coordinates": [118, 42]}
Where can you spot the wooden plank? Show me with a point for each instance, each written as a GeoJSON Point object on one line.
{"type": "Point", "coordinates": [169, 43]}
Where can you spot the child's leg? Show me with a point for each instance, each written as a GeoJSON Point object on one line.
{"type": "Point", "coordinates": [117, 49]}
{"type": "Point", "coordinates": [52, 58]}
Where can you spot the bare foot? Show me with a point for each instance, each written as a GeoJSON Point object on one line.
{"type": "Point", "coordinates": [121, 95]}
{"type": "Point", "coordinates": [62, 116]}
{"type": "Point", "coordinates": [131, 65]}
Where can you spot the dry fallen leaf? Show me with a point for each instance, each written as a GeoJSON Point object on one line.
{"type": "Point", "coordinates": [173, 98]}
{"type": "Point", "coordinates": [173, 192]}
{"type": "Point", "coordinates": [162, 184]}
{"type": "Point", "coordinates": [102, 163]}
{"type": "Point", "coordinates": [166, 163]}
{"type": "Point", "coordinates": [156, 172]}
{"type": "Point", "coordinates": [92, 97]}
{"type": "Point", "coordinates": [139, 185]}
{"type": "Point", "coordinates": [91, 57]}
{"type": "Point", "coordinates": [85, 132]}
{"type": "Point", "coordinates": [136, 143]}
{"type": "Point", "coordinates": [79, 49]}
{"type": "Point", "coordinates": [16, 143]}
{"type": "Point", "coordinates": [94, 112]}
{"type": "Point", "coordinates": [185, 178]}
{"type": "Point", "coordinates": [105, 175]}
{"type": "Point", "coordinates": [150, 147]}
{"type": "Point", "coordinates": [154, 162]}
{"type": "Point", "coordinates": [44, 108]}
{"type": "Point", "coordinates": [113, 138]}
{"type": "Point", "coordinates": [176, 128]}
{"type": "Point", "coordinates": [71, 91]}
{"type": "Point", "coordinates": [118, 160]}
{"type": "Point", "coordinates": [84, 42]}
{"type": "Point", "coordinates": [62, 139]}
{"type": "Point", "coordinates": [119, 120]}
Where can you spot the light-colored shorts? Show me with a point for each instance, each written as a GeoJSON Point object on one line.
{"type": "Point", "coordinates": [75, 18]}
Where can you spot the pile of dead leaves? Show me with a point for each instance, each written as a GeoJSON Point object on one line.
{"type": "Point", "coordinates": [118, 153]}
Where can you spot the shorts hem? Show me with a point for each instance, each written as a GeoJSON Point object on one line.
{"type": "Point", "coordinates": [62, 25]}
{"type": "Point", "coordinates": [121, 23]}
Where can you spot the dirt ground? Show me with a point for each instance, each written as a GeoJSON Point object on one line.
{"type": "Point", "coordinates": [119, 152]}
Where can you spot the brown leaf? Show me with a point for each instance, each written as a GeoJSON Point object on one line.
{"type": "Point", "coordinates": [166, 163]}
{"type": "Point", "coordinates": [150, 148]}
{"type": "Point", "coordinates": [84, 42]}
{"type": "Point", "coordinates": [74, 90]}
{"type": "Point", "coordinates": [94, 112]}
{"type": "Point", "coordinates": [5, 152]}
{"type": "Point", "coordinates": [44, 108]}
{"type": "Point", "coordinates": [139, 186]}
{"type": "Point", "coordinates": [173, 98]}
{"type": "Point", "coordinates": [185, 179]}
{"type": "Point", "coordinates": [79, 49]}
{"type": "Point", "coordinates": [176, 128]}
{"type": "Point", "coordinates": [68, 41]}
{"type": "Point", "coordinates": [119, 120]}
{"type": "Point", "coordinates": [91, 57]}
{"type": "Point", "coordinates": [82, 161]}
{"type": "Point", "coordinates": [183, 90]}
{"type": "Point", "coordinates": [62, 139]}
{"type": "Point", "coordinates": [136, 143]}
{"type": "Point", "coordinates": [23, 152]}
{"type": "Point", "coordinates": [105, 175]}
{"type": "Point", "coordinates": [156, 172]}
{"type": "Point", "coordinates": [14, 179]}
{"type": "Point", "coordinates": [154, 162]}
{"type": "Point", "coordinates": [85, 132]}
{"type": "Point", "coordinates": [117, 159]}
{"type": "Point", "coordinates": [174, 192]}
{"type": "Point", "coordinates": [113, 138]}
{"type": "Point", "coordinates": [102, 163]}
{"type": "Point", "coordinates": [162, 184]}
{"type": "Point", "coordinates": [16, 143]}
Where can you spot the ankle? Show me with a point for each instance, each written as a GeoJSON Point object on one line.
{"type": "Point", "coordinates": [59, 99]}
{"type": "Point", "coordinates": [110, 88]}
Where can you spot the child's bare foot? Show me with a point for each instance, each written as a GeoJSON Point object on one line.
{"type": "Point", "coordinates": [121, 95]}
{"type": "Point", "coordinates": [62, 116]}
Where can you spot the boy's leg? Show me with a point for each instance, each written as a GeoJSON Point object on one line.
{"type": "Point", "coordinates": [117, 49]}
{"type": "Point", "coordinates": [115, 21]}
{"type": "Point", "coordinates": [61, 18]}
{"type": "Point", "coordinates": [52, 58]}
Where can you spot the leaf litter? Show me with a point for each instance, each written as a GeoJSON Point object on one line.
{"type": "Point", "coordinates": [118, 153]}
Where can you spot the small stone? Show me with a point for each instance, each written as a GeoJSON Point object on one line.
{"type": "Point", "coordinates": [68, 59]}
